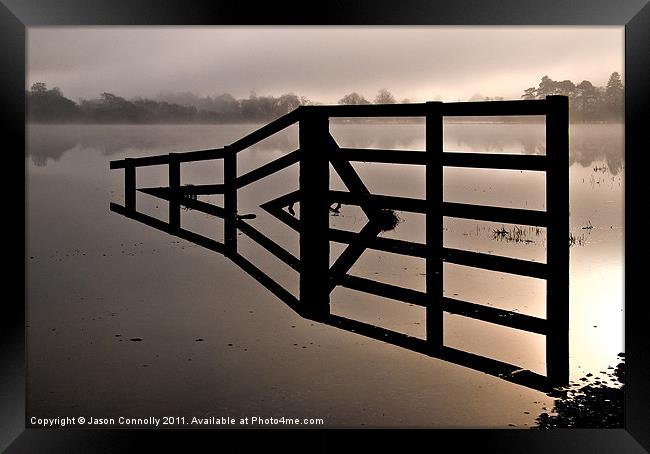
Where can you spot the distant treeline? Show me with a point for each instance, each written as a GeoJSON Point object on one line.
{"type": "Point", "coordinates": [50, 106]}
{"type": "Point", "coordinates": [587, 103]}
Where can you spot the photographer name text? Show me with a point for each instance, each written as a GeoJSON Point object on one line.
{"type": "Point", "coordinates": [153, 421]}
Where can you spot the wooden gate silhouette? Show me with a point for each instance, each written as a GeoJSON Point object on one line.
{"type": "Point", "coordinates": [317, 149]}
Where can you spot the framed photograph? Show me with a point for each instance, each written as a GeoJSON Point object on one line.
{"type": "Point", "coordinates": [367, 217]}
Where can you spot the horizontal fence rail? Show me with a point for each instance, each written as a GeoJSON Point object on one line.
{"type": "Point", "coordinates": [188, 156]}
{"type": "Point", "coordinates": [495, 161]}
{"type": "Point", "coordinates": [384, 156]}
{"type": "Point", "coordinates": [496, 108]}
{"type": "Point", "coordinates": [180, 191]}
{"type": "Point", "coordinates": [316, 152]}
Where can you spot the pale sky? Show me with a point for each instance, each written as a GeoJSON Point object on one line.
{"type": "Point", "coordinates": [322, 63]}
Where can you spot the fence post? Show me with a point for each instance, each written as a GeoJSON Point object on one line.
{"type": "Point", "coordinates": [230, 200]}
{"type": "Point", "coordinates": [174, 186]}
{"type": "Point", "coordinates": [129, 184]}
{"type": "Point", "coordinates": [557, 206]}
{"type": "Point", "coordinates": [434, 240]}
{"type": "Point", "coordinates": [314, 213]}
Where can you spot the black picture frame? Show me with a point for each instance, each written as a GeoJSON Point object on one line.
{"type": "Point", "coordinates": [16, 15]}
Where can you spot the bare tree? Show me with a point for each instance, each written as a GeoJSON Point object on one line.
{"type": "Point", "coordinates": [384, 97]}
{"type": "Point", "coordinates": [354, 99]}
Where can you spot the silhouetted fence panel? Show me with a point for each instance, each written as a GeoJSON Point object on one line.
{"type": "Point", "coordinates": [317, 279]}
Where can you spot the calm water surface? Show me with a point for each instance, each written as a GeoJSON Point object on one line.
{"type": "Point", "coordinates": [96, 280]}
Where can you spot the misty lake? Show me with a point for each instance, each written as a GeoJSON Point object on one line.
{"type": "Point", "coordinates": [125, 320]}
